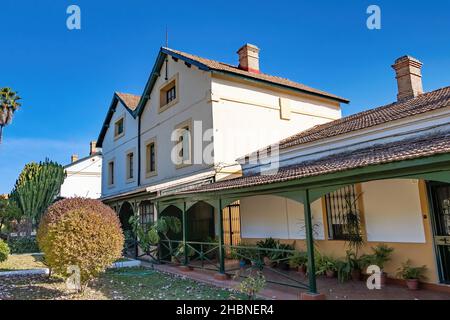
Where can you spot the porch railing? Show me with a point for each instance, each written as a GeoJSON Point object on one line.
{"type": "Point", "coordinates": [240, 260]}
{"type": "Point", "coordinates": [273, 263]}
{"type": "Point", "coordinates": [203, 255]}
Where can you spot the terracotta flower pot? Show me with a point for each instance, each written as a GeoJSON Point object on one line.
{"type": "Point", "coordinates": [383, 278]}
{"type": "Point", "coordinates": [356, 275]}
{"type": "Point", "coordinates": [413, 284]}
{"type": "Point", "coordinates": [267, 261]}
{"type": "Point", "coordinates": [302, 271]}
{"type": "Point", "coordinates": [330, 273]}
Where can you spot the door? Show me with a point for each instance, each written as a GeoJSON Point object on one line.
{"type": "Point", "coordinates": [232, 224]}
{"type": "Point", "coordinates": [440, 196]}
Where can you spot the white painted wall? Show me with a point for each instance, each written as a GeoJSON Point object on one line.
{"type": "Point", "coordinates": [83, 178]}
{"type": "Point", "coordinates": [193, 103]}
{"type": "Point", "coordinates": [117, 150]}
{"type": "Point", "coordinates": [277, 217]}
{"type": "Point", "coordinates": [392, 211]}
{"type": "Point", "coordinates": [247, 118]}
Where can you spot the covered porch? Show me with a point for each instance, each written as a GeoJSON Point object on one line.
{"type": "Point", "coordinates": [426, 160]}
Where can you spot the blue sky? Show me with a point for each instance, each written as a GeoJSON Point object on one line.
{"type": "Point", "coordinates": [67, 78]}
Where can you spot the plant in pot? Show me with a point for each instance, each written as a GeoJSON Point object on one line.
{"type": "Point", "coordinates": [299, 261]}
{"type": "Point", "coordinates": [179, 253]}
{"type": "Point", "coordinates": [281, 255]}
{"type": "Point", "coordinates": [326, 265]}
{"type": "Point", "coordinates": [246, 254]}
{"type": "Point", "coordinates": [266, 255]}
{"type": "Point", "coordinates": [380, 256]}
{"type": "Point", "coordinates": [411, 274]}
{"type": "Point", "coordinates": [349, 267]}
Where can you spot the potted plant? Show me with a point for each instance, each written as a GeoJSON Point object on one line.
{"type": "Point", "coordinates": [281, 255]}
{"type": "Point", "coordinates": [381, 254]}
{"type": "Point", "coordinates": [326, 265]}
{"type": "Point", "coordinates": [179, 253]}
{"type": "Point", "coordinates": [350, 267]}
{"type": "Point", "coordinates": [411, 274]}
{"type": "Point", "coordinates": [266, 255]}
{"type": "Point", "coordinates": [299, 261]}
{"type": "Point", "coordinates": [246, 254]}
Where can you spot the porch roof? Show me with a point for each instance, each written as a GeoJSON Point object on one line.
{"type": "Point", "coordinates": [431, 150]}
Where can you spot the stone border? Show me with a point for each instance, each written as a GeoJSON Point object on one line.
{"type": "Point", "coordinates": [28, 272]}
{"type": "Point", "coordinates": [126, 264]}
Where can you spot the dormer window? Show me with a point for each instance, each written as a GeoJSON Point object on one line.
{"type": "Point", "coordinates": [169, 93]}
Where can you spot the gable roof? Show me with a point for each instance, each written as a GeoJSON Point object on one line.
{"type": "Point", "coordinates": [224, 68]}
{"type": "Point", "coordinates": [426, 102]}
{"type": "Point", "coordinates": [129, 101]}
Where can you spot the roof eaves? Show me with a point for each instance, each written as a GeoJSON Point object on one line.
{"type": "Point", "coordinates": [155, 73]}
{"type": "Point", "coordinates": [279, 85]}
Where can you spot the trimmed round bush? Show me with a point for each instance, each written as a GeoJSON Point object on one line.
{"type": "Point", "coordinates": [4, 251]}
{"type": "Point", "coordinates": [80, 232]}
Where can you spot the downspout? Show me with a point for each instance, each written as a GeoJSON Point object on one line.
{"type": "Point", "coordinates": [139, 151]}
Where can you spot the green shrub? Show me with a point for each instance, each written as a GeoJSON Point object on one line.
{"type": "Point", "coordinates": [23, 245]}
{"type": "Point", "coordinates": [4, 251]}
{"type": "Point", "coordinates": [407, 271]}
{"type": "Point", "coordinates": [83, 233]}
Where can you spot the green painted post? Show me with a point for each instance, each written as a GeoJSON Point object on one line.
{"type": "Point", "coordinates": [221, 242]}
{"type": "Point", "coordinates": [186, 259]}
{"type": "Point", "coordinates": [310, 244]}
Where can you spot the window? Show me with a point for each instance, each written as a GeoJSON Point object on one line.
{"type": "Point", "coordinates": [183, 142]}
{"type": "Point", "coordinates": [146, 217]}
{"type": "Point", "coordinates": [343, 214]}
{"type": "Point", "coordinates": [119, 128]}
{"type": "Point", "coordinates": [130, 167]}
{"type": "Point", "coordinates": [151, 157]}
{"type": "Point", "coordinates": [111, 173]}
{"type": "Point", "coordinates": [169, 93]}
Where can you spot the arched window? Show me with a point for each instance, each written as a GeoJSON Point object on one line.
{"type": "Point", "coordinates": [146, 216]}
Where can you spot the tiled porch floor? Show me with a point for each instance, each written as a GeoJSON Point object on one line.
{"type": "Point", "coordinates": [351, 290]}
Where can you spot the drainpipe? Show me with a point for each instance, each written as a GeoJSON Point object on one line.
{"type": "Point", "coordinates": [139, 152]}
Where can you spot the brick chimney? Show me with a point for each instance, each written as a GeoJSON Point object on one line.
{"type": "Point", "coordinates": [409, 77]}
{"type": "Point", "coordinates": [92, 147]}
{"type": "Point", "coordinates": [249, 58]}
{"type": "Point", "coordinates": [74, 158]}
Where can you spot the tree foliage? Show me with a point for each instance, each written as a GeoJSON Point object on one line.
{"type": "Point", "coordinates": [8, 105]}
{"type": "Point", "coordinates": [148, 237]}
{"type": "Point", "coordinates": [4, 251]}
{"type": "Point", "coordinates": [80, 232]}
{"type": "Point", "coordinates": [9, 212]}
{"type": "Point", "coordinates": [37, 187]}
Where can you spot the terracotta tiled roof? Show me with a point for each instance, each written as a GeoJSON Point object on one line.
{"type": "Point", "coordinates": [377, 154]}
{"type": "Point", "coordinates": [130, 100]}
{"type": "Point", "coordinates": [426, 102]}
{"type": "Point", "coordinates": [216, 65]}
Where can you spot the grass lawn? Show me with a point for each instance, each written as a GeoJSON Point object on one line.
{"type": "Point", "coordinates": [22, 262]}
{"type": "Point", "coordinates": [116, 284]}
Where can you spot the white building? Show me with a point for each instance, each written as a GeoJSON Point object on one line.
{"type": "Point", "coordinates": [223, 111]}
{"type": "Point", "coordinates": [83, 176]}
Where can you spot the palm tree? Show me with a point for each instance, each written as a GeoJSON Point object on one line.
{"type": "Point", "coordinates": [8, 105]}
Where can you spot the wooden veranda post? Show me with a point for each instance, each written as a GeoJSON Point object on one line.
{"type": "Point", "coordinates": [185, 246]}
{"type": "Point", "coordinates": [309, 243]}
{"type": "Point", "coordinates": [221, 241]}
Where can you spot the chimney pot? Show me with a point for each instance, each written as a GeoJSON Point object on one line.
{"type": "Point", "coordinates": [93, 147]}
{"type": "Point", "coordinates": [249, 58]}
{"type": "Point", "coordinates": [74, 158]}
{"type": "Point", "coordinates": [409, 77]}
